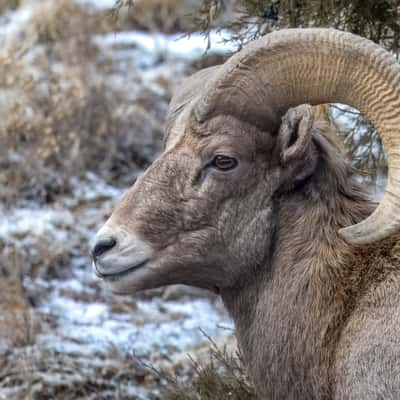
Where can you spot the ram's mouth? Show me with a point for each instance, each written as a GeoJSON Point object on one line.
{"type": "Point", "coordinates": [116, 276]}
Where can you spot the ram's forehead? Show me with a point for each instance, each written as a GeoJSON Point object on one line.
{"type": "Point", "coordinates": [183, 101]}
{"type": "Point", "coordinates": [177, 130]}
{"type": "Point", "coordinates": [183, 127]}
{"type": "Point", "coordinates": [219, 130]}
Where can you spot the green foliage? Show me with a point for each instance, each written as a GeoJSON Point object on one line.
{"type": "Point", "coordinates": [377, 20]}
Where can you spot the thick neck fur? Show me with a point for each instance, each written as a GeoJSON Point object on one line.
{"type": "Point", "coordinates": [290, 316]}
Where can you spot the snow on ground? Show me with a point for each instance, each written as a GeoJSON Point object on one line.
{"type": "Point", "coordinates": [90, 188]}
{"type": "Point", "coordinates": [141, 58]}
{"type": "Point", "coordinates": [93, 324]}
{"type": "Point", "coordinates": [35, 222]}
{"type": "Point", "coordinates": [174, 46]}
{"type": "Point", "coordinates": [12, 23]}
{"type": "Point", "coordinates": [151, 327]}
{"type": "Point", "coordinates": [82, 321]}
{"type": "Point", "coordinates": [98, 4]}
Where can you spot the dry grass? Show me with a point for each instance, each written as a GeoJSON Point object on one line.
{"type": "Point", "coordinates": [64, 20]}
{"type": "Point", "coordinates": [6, 5]}
{"type": "Point", "coordinates": [167, 16]}
{"type": "Point", "coordinates": [43, 374]}
{"type": "Point", "coordinates": [223, 377]}
{"type": "Point", "coordinates": [59, 117]}
{"type": "Point", "coordinates": [17, 321]}
{"type": "Point", "coordinates": [66, 128]}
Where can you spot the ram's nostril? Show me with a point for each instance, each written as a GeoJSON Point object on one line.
{"type": "Point", "coordinates": [101, 245]}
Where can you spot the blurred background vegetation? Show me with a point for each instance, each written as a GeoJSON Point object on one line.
{"type": "Point", "coordinates": [69, 120]}
{"type": "Point", "coordinates": [247, 20]}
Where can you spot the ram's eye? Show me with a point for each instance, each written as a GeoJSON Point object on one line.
{"type": "Point", "coordinates": [224, 163]}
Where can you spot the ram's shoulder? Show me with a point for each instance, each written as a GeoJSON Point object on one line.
{"type": "Point", "coordinates": [366, 364]}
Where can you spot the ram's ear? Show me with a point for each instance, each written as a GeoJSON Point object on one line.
{"type": "Point", "coordinates": [297, 153]}
{"type": "Point", "coordinates": [294, 137]}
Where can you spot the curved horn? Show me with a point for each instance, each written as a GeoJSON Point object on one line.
{"type": "Point", "coordinates": [295, 66]}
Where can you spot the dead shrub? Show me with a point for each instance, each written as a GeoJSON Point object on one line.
{"type": "Point", "coordinates": [63, 20]}
{"type": "Point", "coordinates": [139, 138]}
{"type": "Point", "coordinates": [167, 16]}
{"type": "Point", "coordinates": [6, 5]}
{"type": "Point", "coordinates": [59, 117]}
{"type": "Point", "coordinates": [61, 125]}
{"type": "Point", "coordinates": [44, 374]}
{"type": "Point", "coordinates": [64, 125]}
{"type": "Point", "coordinates": [17, 322]}
{"type": "Point", "coordinates": [222, 378]}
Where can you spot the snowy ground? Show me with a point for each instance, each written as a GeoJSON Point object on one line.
{"type": "Point", "coordinates": [86, 337]}
{"type": "Point", "coordinates": [81, 321]}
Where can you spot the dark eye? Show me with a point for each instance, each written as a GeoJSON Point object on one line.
{"type": "Point", "coordinates": [224, 163]}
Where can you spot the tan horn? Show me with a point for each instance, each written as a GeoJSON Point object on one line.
{"type": "Point", "coordinates": [296, 66]}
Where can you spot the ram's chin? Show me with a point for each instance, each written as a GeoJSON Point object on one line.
{"type": "Point", "coordinates": [135, 281]}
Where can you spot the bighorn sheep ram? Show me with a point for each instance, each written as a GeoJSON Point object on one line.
{"type": "Point", "coordinates": [263, 210]}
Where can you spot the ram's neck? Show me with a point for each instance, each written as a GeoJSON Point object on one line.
{"type": "Point", "coordinates": [289, 318]}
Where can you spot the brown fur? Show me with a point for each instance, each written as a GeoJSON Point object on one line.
{"type": "Point", "coordinates": [303, 323]}
{"type": "Point", "coordinates": [316, 318]}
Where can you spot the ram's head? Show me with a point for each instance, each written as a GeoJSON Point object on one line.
{"type": "Point", "coordinates": [203, 213]}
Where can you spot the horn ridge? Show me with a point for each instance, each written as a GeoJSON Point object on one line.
{"type": "Point", "coordinates": [295, 66]}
